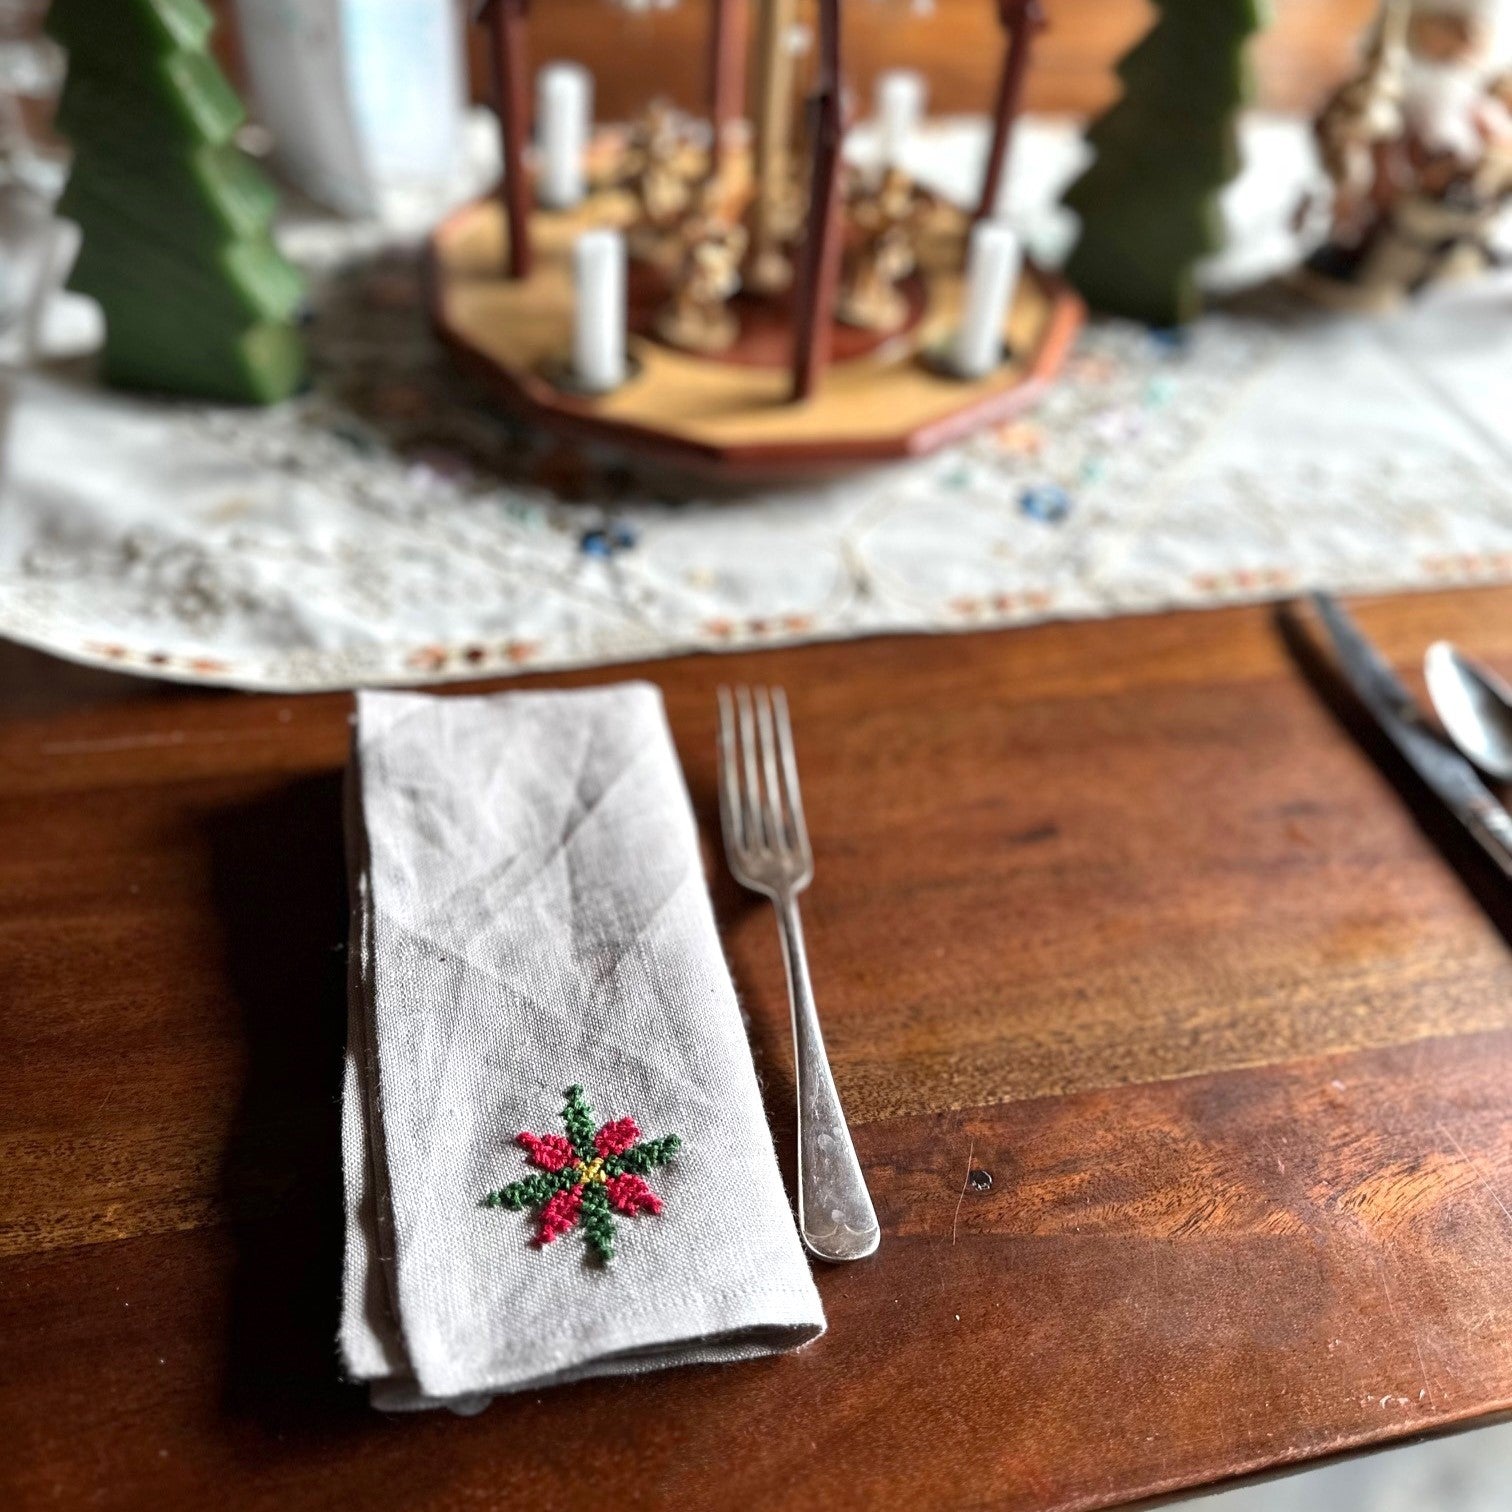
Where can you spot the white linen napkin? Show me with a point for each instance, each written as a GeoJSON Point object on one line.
{"type": "Point", "coordinates": [529, 918]}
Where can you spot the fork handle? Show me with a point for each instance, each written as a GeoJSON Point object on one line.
{"type": "Point", "coordinates": [835, 1213]}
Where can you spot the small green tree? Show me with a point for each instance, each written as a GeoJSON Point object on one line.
{"type": "Point", "coordinates": [1149, 201]}
{"type": "Point", "coordinates": [175, 219]}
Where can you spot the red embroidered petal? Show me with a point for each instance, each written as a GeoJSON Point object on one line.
{"type": "Point", "coordinates": [552, 1152]}
{"type": "Point", "coordinates": [617, 1137]}
{"type": "Point", "coordinates": [630, 1194]}
{"type": "Point", "coordinates": [560, 1214]}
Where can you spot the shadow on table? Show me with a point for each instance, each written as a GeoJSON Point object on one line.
{"type": "Point", "coordinates": [1480, 876]}
{"type": "Point", "coordinates": [280, 895]}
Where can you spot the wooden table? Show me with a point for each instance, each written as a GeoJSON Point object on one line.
{"type": "Point", "coordinates": [1119, 915]}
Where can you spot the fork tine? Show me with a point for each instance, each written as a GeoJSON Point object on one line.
{"type": "Point", "coordinates": [755, 827]}
{"type": "Point", "coordinates": [790, 770]}
{"type": "Point", "coordinates": [729, 778]}
{"type": "Point", "coordinates": [777, 827]}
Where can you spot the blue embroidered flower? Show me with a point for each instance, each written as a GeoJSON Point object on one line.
{"type": "Point", "coordinates": [1048, 503]}
{"type": "Point", "coordinates": [606, 541]}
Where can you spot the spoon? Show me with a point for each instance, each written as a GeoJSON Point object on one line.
{"type": "Point", "coordinates": [1475, 706]}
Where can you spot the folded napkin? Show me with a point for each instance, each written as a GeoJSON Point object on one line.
{"type": "Point", "coordinates": [556, 1160]}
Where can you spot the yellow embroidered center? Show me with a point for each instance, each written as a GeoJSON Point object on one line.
{"type": "Point", "coordinates": [593, 1171]}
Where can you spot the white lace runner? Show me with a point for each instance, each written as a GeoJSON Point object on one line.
{"type": "Point", "coordinates": [392, 526]}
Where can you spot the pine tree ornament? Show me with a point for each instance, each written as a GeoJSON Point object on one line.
{"type": "Point", "coordinates": [175, 218]}
{"type": "Point", "coordinates": [1149, 202]}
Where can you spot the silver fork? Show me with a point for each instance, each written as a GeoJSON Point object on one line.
{"type": "Point", "coordinates": [767, 846]}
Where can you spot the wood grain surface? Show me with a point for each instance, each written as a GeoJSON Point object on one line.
{"type": "Point", "coordinates": [1123, 917]}
{"type": "Point", "coordinates": [957, 44]}
{"type": "Point", "coordinates": [1306, 51]}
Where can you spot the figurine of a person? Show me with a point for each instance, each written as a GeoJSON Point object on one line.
{"type": "Point", "coordinates": [886, 218]}
{"type": "Point", "coordinates": [698, 317]}
{"type": "Point", "coordinates": [1420, 151]}
{"type": "Point", "coordinates": [1451, 79]}
{"type": "Point", "coordinates": [657, 172]}
{"type": "Point", "coordinates": [1361, 121]}
{"type": "Point", "coordinates": [774, 220]}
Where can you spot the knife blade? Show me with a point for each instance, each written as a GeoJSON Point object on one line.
{"type": "Point", "coordinates": [1447, 774]}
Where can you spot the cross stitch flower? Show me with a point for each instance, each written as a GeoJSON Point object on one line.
{"type": "Point", "coordinates": [587, 1175]}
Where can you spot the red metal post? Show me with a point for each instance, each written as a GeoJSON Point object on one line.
{"type": "Point", "coordinates": [820, 275]}
{"type": "Point", "coordinates": [1021, 20]}
{"type": "Point", "coordinates": [511, 90]}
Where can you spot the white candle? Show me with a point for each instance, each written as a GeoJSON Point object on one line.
{"type": "Point", "coordinates": [564, 117]}
{"type": "Point", "coordinates": [598, 339]}
{"type": "Point", "coordinates": [900, 106]}
{"type": "Point", "coordinates": [992, 271]}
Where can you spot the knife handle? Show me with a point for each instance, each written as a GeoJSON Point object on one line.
{"type": "Point", "coordinates": [1492, 826]}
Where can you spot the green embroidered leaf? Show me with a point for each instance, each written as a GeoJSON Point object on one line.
{"type": "Point", "coordinates": [578, 1118]}
{"type": "Point", "coordinates": [598, 1225]}
{"type": "Point", "coordinates": [529, 1191]}
{"type": "Point", "coordinates": [645, 1156]}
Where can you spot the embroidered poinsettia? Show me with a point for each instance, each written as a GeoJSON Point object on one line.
{"type": "Point", "coordinates": [586, 1175]}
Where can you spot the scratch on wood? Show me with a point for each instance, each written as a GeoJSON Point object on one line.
{"type": "Point", "coordinates": [1417, 1348]}
{"type": "Point", "coordinates": [112, 743]}
{"type": "Point", "coordinates": [107, 745]}
{"type": "Point", "coordinates": [955, 1222]}
{"type": "Point", "coordinates": [1480, 1174]}
{"type": "Point", "coordinates": [1386, 1287]}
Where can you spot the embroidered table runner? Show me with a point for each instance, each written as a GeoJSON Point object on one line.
{"type": "Point", "coordinates": [557, 1164]}
{"type": "Point", "coordinates": [392, 526]}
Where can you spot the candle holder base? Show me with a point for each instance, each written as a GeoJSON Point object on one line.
{"type": "Point", "coordinates": [940, 359]}
{"type": "Point", "coordinates": [562, 376]}
{"type": "Point", "coordinates": [726, 414]}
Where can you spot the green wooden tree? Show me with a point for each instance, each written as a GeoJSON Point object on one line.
{"type": "Point", "coordinates": [175, 219]}
{"type": "Point", "coordinates": [1149, 201]}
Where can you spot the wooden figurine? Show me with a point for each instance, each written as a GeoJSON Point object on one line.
{"type": "Point", "coordinates": [887, 220]}
{"type": "Point", "coordinates": [1419, 149]}
{"type": "Point", "coordinates": [1359, 123]}
{"type": "Point", "coordinates": [658, 173]}
{"type": "Point", "coordinates": [774, 223]}
{"type": "Point", "coordinates": [698, 318]}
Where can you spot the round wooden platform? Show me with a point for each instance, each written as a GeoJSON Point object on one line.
{"type": "Point", "coordinates": [732, 415]}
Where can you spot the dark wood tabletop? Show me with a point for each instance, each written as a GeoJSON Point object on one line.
{"type": "Point", "coordinates": [1123, 917]}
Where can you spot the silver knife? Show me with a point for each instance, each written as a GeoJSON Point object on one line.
{"type": "Point", "coordinates": [1446, 772]}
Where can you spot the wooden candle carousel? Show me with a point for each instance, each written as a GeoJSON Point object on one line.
{"type": "Point", "coordinates": [717, 299]}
